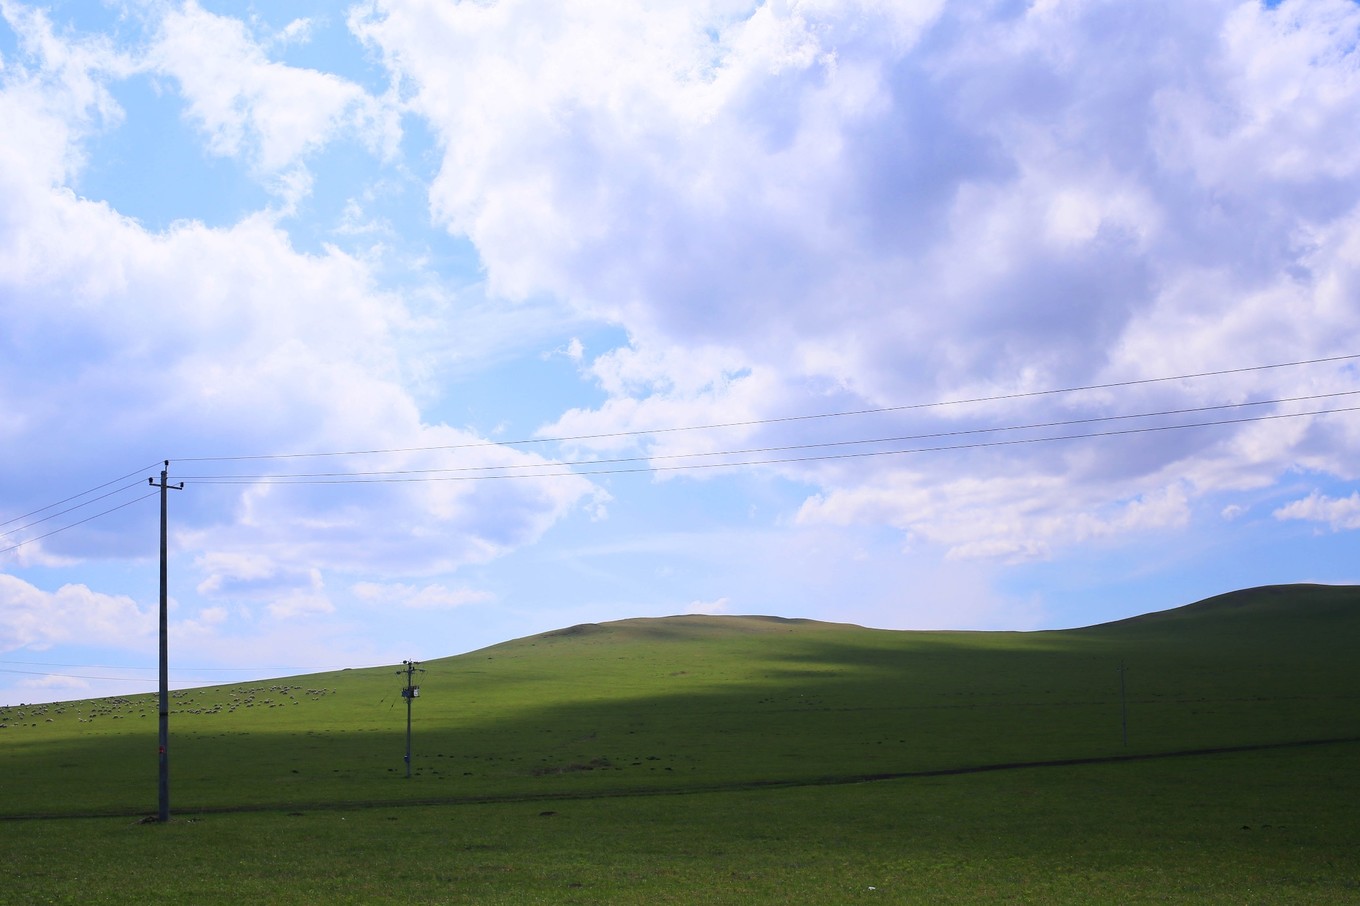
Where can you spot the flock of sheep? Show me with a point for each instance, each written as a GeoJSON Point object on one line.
{"type": "Point", "coordinates": [185, 701]}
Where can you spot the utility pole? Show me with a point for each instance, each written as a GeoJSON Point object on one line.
{"type": "Point", "coordinates": [1123, 705]}
{"type": "Point", "coordinates": [164, 812]}
{"type": "Point", "coordinates": [409, 693]}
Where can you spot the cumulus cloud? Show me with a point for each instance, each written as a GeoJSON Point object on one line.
{"type": "Point", "coordinates": [211, 616]}
{"type": "Point", "coordinates": [814, 207]}
{"type": "Point", "coordinates": [984, 518]}
{"type": "Point", "coordinates": [54, 94]}
{"type": "Point", "coordinates": [708, 608]}
{"type": "Point", "coordinates": [436, 596]}
{"type": "Point", "coordinates": [34, 618]}
{"type": "Point", "coordinates": [214, 342]}
{"type": "Point", "coordinates": [250, 106]}
{"type": "Point", "coordinates": [252, 575]}
{"type": "Point", "coordinates": [1341, 514]}
{"type": "Point", "coordinates": [303, 602]}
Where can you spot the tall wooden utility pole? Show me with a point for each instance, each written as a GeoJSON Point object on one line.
{"type": "Point", "coordinates": [164, 812]}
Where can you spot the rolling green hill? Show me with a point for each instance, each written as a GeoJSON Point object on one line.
{"type": "Point", "coordinates": [700, 702]}
{"type": "Point", "coordinates": [724, 760]}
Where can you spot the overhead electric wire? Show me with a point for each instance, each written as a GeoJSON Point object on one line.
{"type": "Point", "coordinates": [502, 471]}
{"type": "Point", "coordinates": [72, 509]}
{"type": "Point", "coordinates": [15, 547]}
{"type": "Point", "coordinates": [1027, 394]}
{"type": "Point", "coordinates": [81, 494]}
{"type": "Point", "coordinates": [406, 478]}
{"type": "Point", "coordinates": [121, 679]}
{"type": "Point", "coordinates": [654, 462]}
{"type": "Point", "coordinates": [179, 671]}
{"type": "Point", "coordinates": [178, 667]}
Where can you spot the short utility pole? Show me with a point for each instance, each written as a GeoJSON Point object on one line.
{"type": "Point", "coordinates": [1123, 704]}
{"type": "Point", "coordinates": [164, 813]}
{"type": "Point", "coordinates": [410, 693]}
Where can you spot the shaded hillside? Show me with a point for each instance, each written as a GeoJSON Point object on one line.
{"type": "Point", "coordinates": [1288, 626]}
{"type": "Point", "coordinates": [1305, 608]}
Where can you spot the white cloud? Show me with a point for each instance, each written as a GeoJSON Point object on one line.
{"type": "Point", "coordinates": [35, 618]}
{"type": "Point", "coordinates": [212, 616]}
{"type": "Point", "coordinates": [299, 31]}
{"type": "Point", "coordinates": [55, 687]}
{"type": "Point", "coordinates": [202, 341]}
{"type": "Point", "coordinates": [54, 95]}
{"type": "Point", "coordinates": [1341, 514]}
{"type": "Point", "coordinates": [810, 207]}
{"type": "Point", "coordinates": [987, 519]}
{"type": "Point", "coordinates": [249, 106]}
{"type": "Point", "coordinates": [708, 608]}
{"type": "Point", "coordinates": [303, 602]}
{"type": "Point", "coordinates": [434, 596]}
{"type": "Point", "coordinates": [249, 575]}
{"type": "Point", "coordinates": [574, 350]}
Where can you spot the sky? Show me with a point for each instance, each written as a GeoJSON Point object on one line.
{"type": "Point", "coordinates": [460, 322]}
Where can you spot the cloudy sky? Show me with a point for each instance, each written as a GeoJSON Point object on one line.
{"type": "Point", "coordinates": [465, 321]}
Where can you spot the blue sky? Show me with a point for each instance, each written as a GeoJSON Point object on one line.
{"type": "Point", "coordinates": [542, 268]}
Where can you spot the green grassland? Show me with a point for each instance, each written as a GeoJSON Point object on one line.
{"type": "Point", "coordinates": [733, 760]}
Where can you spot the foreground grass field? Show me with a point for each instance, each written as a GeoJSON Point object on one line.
{"type": "Point", "coordinates": [1272, 827]}
{"type": "Point", "coordinates": [715, 759]}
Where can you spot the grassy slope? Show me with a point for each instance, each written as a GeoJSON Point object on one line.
{"type": "Point", "coordinates": [713, 701]}
{"type": "Point", "coordinates": [722, 702]}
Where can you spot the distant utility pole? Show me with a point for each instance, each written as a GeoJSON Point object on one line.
{"type": "Point", "coordinates": [409, 693]}
{"type": "Point", "coordinates": [164, 813]}
{"type": "Point", "coordinates": [1123, 705]}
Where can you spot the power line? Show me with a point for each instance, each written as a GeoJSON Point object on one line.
{"type": "Point", "coordinates": [590, 467]}
{"type": "Point", "coordinates": [81, 494]}
{"type": "Point", "coordinates": [322, 667]}
{"type": "Point", "coordinates": [193, 681]}
{"type": "Point", "coordinates": [1028, 394]}
{"type": "Point", "coordinates": [786, 460]}
{"type": "Point", "coordinates": [72, 509]}
{"type": "Point", "coordinates": [57, 531]}
{"type": "Point", "coordinates": [127, 679]}
{"type": "Point", "coordinates": [178, 670]}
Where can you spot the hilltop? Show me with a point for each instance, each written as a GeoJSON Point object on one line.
{"type": "Point", "coordinates": [1274, 603]}
{"type": "Point", "coordinates": [1307, 608]}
